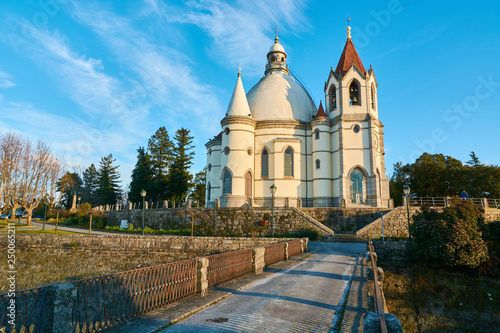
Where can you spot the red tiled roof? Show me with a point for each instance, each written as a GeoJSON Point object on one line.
{"type": "Point", "coordinates": [349, 57]}
{"type": "Point", "coordinates": [321, 112]}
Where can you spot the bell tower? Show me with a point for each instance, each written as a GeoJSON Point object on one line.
{"type": "Point", "coordinates": [357, 133]}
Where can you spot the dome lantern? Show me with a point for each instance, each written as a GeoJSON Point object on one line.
{"type": "Point", "coordinates": [276, 57]}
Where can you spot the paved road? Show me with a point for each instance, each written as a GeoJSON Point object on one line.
{"type": "Point", "coordinates": [304, 298]}
{"type": "Point", "coordinates": [49, 226]}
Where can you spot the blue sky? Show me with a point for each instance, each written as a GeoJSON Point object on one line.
{"type": "Point", "coordinates": [100, 77]}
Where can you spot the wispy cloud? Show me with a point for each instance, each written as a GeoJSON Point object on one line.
{"type": "Point", "coordinates": [164, 76]}
{"type": "Point", "coordinates": [6, 80]}
{"type": "Point", "coordinates": [241, 31]}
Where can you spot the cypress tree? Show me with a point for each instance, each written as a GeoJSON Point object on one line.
{"type": "Point", "coordinates": [90, 184]}
{"type": "Point", "coordinates": [142, 177]}
{"type": "Point", "coordinates": [180, 177]}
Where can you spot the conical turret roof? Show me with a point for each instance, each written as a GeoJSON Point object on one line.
{"type": "Point", "coordinates": [239, 103]}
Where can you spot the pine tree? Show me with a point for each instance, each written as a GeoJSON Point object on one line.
{"type": "Point", "coordinates": [90, 184]}
{"type": "Point", "coordinates": [161, 151]}
{"type": "Point", "coordinates": [109, 191]}
{"type": "Point", "coordinates": [180, 177]}
{"type": "Point", "coordinates": [142, 177]}
{"type": "Point", "coordinates": [69, 185]}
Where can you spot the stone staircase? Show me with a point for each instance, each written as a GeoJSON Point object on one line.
{"type": "Point", "coordinates": [323, 229]}
{"type": "Point", "coordinates": [395, 224]}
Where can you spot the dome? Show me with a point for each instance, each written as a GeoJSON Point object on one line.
{"type": "Point", "coordinates": [278, 97]}
{"type": "Point", "coordinates": [277, 47]}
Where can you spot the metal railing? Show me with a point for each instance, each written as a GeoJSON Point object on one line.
{"type": "Point", "coordinates": [444, 202]}
{"type": "Point", "coordinates": [29, 309]}
{"type": "Point", "coordinates": [294, 247]}
{"type": "Point", "coordinates": [494, 203]}
{"type": "Point", "coordinates": [229, 265]}
{"type": "Point", "coordinates": [274, 253]}
{"type": "Point", "coordinates": [107, 300]}
{"type": "Point", "coordinates": [378, 291]}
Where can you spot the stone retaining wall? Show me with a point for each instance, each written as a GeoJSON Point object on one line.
{"type": "Point", "coordinates": [218, 221]}
{"type": "Point", "coordinates": [43, 259]}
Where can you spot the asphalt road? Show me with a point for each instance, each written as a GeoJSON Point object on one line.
{"type": "Point", "coordinates": [304, 298]}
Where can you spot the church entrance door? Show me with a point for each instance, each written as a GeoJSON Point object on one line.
{"type": "Point", "coordinates": [248, 185]}
{"type": "Point", "coordinates": [357, 186]}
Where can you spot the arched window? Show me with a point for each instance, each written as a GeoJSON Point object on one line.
{"type": "Point", "coordinates": [372, 92]}
{"type": "Point", "coordinates": [264, 163]}
{"type": "Point", "coordinates": [227, 181]}
{"type": "Point", "coordinates": [318, 164]}
{"type": "Point", "coordinates": [209, 190]}
{"type": "Point", "coordinates": [333, 97]}
{"type": "Point", "coordinates": [289, 162]}
{"type": "Point", "coordinates": [316, 135]}
{"type": "Point", "coordinates": [358, 186]}
{"type": "Point", "coordinates": [354, 94]}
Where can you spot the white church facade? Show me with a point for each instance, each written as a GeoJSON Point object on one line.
{"type": "Point", "coordinates": [331, 156]}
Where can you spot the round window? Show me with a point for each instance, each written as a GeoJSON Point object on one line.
{"type": "Point", "coordinates": [209, 166]}
{"type": "Point", "coordinates": [249, 151]}
{"type": "Point", "coordinates": [227, 130]}
{"type": "Point", "coordinates": [227, 150]}
{"type": "Point", "coordinates": [356, 129]}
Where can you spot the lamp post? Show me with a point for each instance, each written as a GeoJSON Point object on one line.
{"type": "Point", "coordinates": [406, 191]}
{"type": "Point", "coordinates": [273, 189]}
{"type": "Point", "coordinates": [45, 199]}
{"type": "Point", "coordinates": [143, 195]}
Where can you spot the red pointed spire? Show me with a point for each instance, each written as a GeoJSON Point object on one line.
{"type": "Point", "coordinates": [349, 57]}
{"type": "Point", "coordinates": [321, 112]}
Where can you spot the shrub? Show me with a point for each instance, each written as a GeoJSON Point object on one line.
{"type": "Point", "coordinates": [451, 237]}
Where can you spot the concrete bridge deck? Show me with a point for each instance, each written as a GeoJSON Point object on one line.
{"type": "Point", "coordinates": [320, 291]}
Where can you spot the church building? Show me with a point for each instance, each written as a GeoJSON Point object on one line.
{"type": "Point", "coordinates": [326, 156]}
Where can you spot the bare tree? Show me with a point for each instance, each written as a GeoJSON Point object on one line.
{"type": "Point", "coordinates": [11, 153]}
{"type": "Point", "coordinates": [37, 163]}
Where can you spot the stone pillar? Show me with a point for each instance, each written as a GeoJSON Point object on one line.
{"type": "Point", "coordinates": [165, 203]}
{"type": "Point", "coordinates": [73, 204]}
{"type": "Point", "coordinates": [305, 242]}
{"type": "Point", "coordinates": [146, 205]}
{"type": "Point", "coordinates": [343, 203]}
{"type": "Point", "coordinates": [484, 203]}
{"type": "Point", "coordinates": [129, 206]}
{"type": "Point", "coordinates": [217, 203]}
{"type": "Point", "coordinates": [404, 201]}
{"type": "Point", "coordinates": [173, 204]}
{"type": "Point", "coordinates": [286, 250]}
{"type": "Point", "coordinates": [258, 262]}
{"type": "Point", "coordinates": [202, 277]}
{"type": "Point", "coordinates": [107, 208]}
{"type": "Point", "coordinates": [371, 323]}
{"type": "Point", "coordinates": [391, 204]}
{"type": "Point", "coordinates": [189, 203]}
{"type": "Point", "coordinates": [117, 206]}
{"type": "Point", "coordinates": [59, 307]}
{"type": "Point", "coordinates": [301, 246]}
{"type": "Point", "coordinates": [447, 201]}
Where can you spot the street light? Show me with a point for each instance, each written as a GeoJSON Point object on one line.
{"type": "Point", "coordinates": [273, 189]}
{"type": "Point", "coordinates": [406, 191]}
{"type": "Point", "coordinates": [45, 199]}
{"type": "Point", "coordinates": [143, 195]}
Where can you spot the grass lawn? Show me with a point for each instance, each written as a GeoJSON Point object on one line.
{"type": "Point", "coordinates": [59, 232]}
